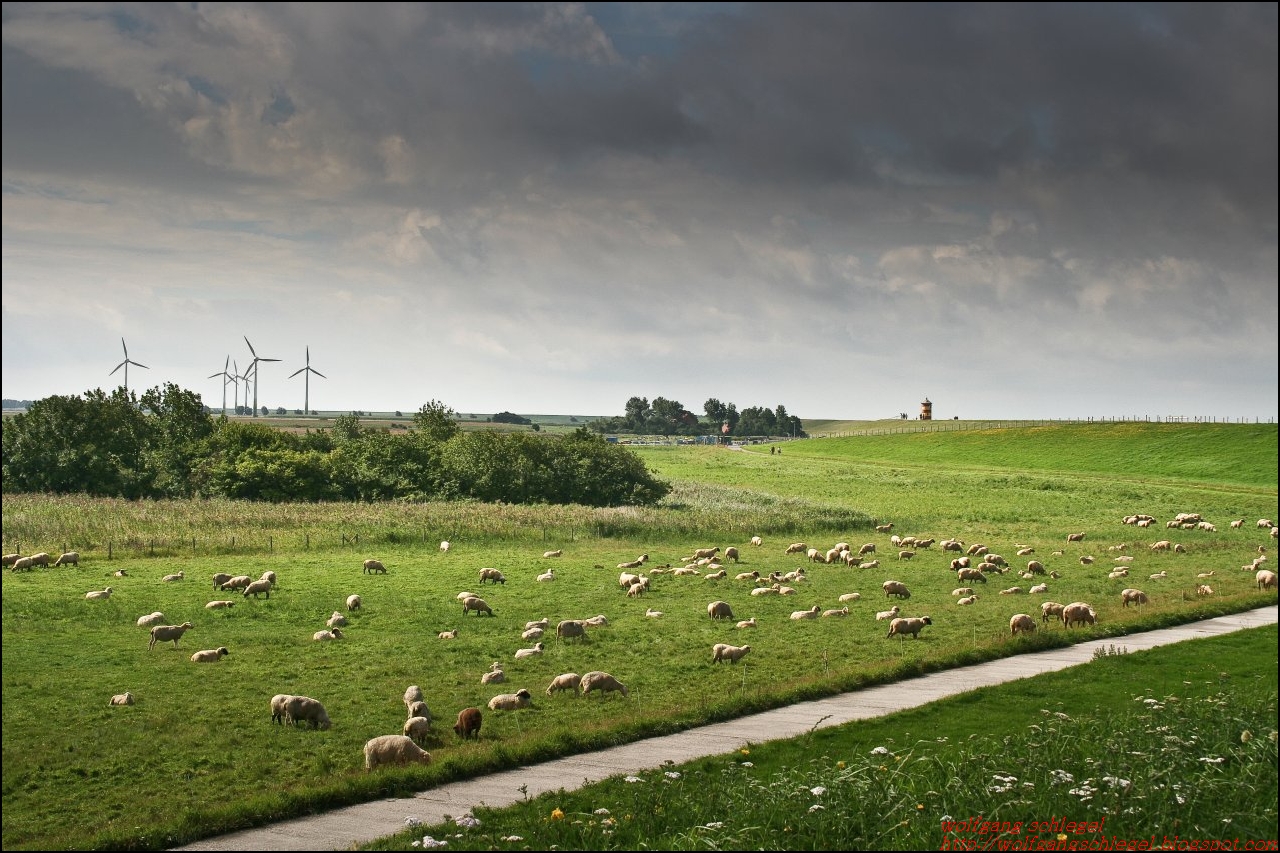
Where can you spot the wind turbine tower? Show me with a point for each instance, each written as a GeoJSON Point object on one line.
{"type": "Point", "coordinates": [253, 365]}
{"type": "Point", "coordinates": [226, 380]}
{"type": "Point", "coordinates": [125, 364]}
{"type": "Point", "coordinates": [308, 370]}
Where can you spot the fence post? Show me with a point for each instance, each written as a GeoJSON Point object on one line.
{"type": "Point", "coordinates": [269, 544]}
{"type": "Point", "coordinates": [108, 550]}
{"type": "Point", "coordinates": [153, 547]}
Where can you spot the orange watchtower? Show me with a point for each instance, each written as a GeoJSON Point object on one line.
{"type": "Point", "coordinates": [926, 410]}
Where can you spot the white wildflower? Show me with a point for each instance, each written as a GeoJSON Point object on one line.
{"type": "Point", "coordinates": [1060, 777]}
{"type": "Point", "coordinates": [880, 750]}
{"type": "Point", "coordinates": [467, 821]}
{"type": "Point", "coordinates": [429, 843]}
{"type": "Point", "coordinates": [633, 779]}
{"type": "Point", "coordinates": [818, 791]}
{"type": "Point", "coordinates": [748, 764]}
{"type": "Point", "coordinates": [601, 811]}
{"type": "Point", "coordinates": [1212, 760]}
{"type": "Point", "coordinates": [513, 838]}
{"type": "Point", "coordinates": [816, 808]}
{"type": "Point", "coordinates": [411, 820]}
{"type": "Point", "coordinates": [672, 774]}
{"type": "Point", "coordinates": [1117, 782]}
{"type": "Point", "coordinates": [714, 825]}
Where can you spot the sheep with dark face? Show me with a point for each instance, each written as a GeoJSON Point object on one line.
{"type": "Point", "coordinates": [492, 576]}
{"type": "Point", "coordinates": [511, 701]}
{"type": "Point", "coordinates": [210, 655]}
{"type": "Point", "coordinates": [1021, 623]}
{"type": "Point", "coordinates": [897, 588]}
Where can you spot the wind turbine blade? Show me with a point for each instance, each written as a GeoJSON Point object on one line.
{"type": "Point", "coordinates": [136, 364]}
{"type": "Point", "coordinates": [268, 359]}
{"type": "Point", "coordinates": [118, 366]}
{"type": "Point", "coordinates": [246, 340]}
{"type": "Point", "coordinates": [318, 373]}
{"type": "Point", "coordinates": [125, 348]}
{"type": "Point", "coordinates": [296, 372]}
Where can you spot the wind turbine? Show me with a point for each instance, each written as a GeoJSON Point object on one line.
{"type": "Point", "coordinates": [227, 379]}
{"type": "Point", "coordinates": [125, 364]}
{"type": "Point", "coordinates": [308, 370]}
{"type": "Point", "coordinates": [236, 377]}
{"type": "Point", "coordinates": [253, 365]}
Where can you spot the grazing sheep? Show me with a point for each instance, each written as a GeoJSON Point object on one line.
{"type": "Point", "coordinates": [1079, 613]}
{"type": "Point", "coordinates": [330, 634]}
{"type": "Point", "coordinates": [1265, 579]}
{"type": "Point", "coordinates": [237, 582]}
{"type": "Point", "coordinates": [10, 559]}
{"type": "Point", "coordinates": [566, 681]}
{"type": "Point", "coordinates": [731, 553]}
{"type": "Point", "coordinates": [1162, 545]}
{"type": "Point", "coordinates": [833, 556]}
{"type": "Point", "coordinates": [811, 613]}
{"type": "Point", "coordinates": [1133, 596]}
{"type": "Point", "coordinates": [757, 541]}
{"type": "Point", "coordinates": [747, 623]}
{"type": "Point", "coordinates": [219, 579]}
{"type": "Point", "coordinates": [417, 729]}
{"type": "Point", "coordinates": [546, 555]}
{"type": "Point", "coordinates": [171, 578]}
{"type": "Point", "coordinates": [390, 750]}
{"type": "Point", "coordinates": [850, 596]}
{"type": "Point", "coordinates": [548, 575]}
{"type": "Point", "coordinates": [906, 555]}
{"type": "Point", "coordinates": [278, 702]}
{"type": "Point", "coordinates": [530, 652]}
{"type": "Point", "coordinates": [966, 601]}
{"type": "Point", "coordinates": [796, 548]}
{"type": "Point", "coordinates": [912, 626]}
{"type": "Point", "coordinates": [304, 709]}
{"type": "Point", "coordinates": [99, 594]}
{"type": "Point", "coordinates": [210, 655]}
{"type": "Point", "coordinates": [444, 547]}
{"type": "Point", "coordinates": [495, 675]}
{"type": "Point", "coordinates": [813, 555]}
{"type": "Point", "coordinates": [150, 619]}
{"type": "Point", "coordinates": [336, 620]}
{"type": "Point", "coordinates": [354, 602]}
{"type": "Point", "coordinates": [1035, 567]}
{"type": "Point", "coordinates": [840, 611]}
{"type": "Point", "coordinates": [468, 724]}
{"type": "Point", "coordinates": [974, 574]}
{"type": "Point", "coordinates": [511, 701]}
{"type": "Point", "coordinates": [413, 693]}
{"type": "Point", "coordinates": [70, 558]}
{"type": "Point", "coordinates": [1179, 548]}
{"type": "Point", "coordinates": [719, 610]}
{"type": "Point", "coordinates": [125, 698]}
{"type": "Point", "coordinates": [41, 559]}
{"type": "Point", "coordinates": [567, 629]}
{"type": "Point", "coordinates": [258, 586]}
{"type": "Point", "coordinates": [479, 605]}
{"type": "Point", "coordinates": [374, 567]}
{"type": "Point", "coordinates": [217, 605]}
{"type": "Point", "coordinates": [897, 588]}
{"type": "Point", "coordinates": [418, 708]}
{"type": "Point", "coordinates": [448, 635]}
{"type": "Point", "coordinates": [725, 652]}
{"type": "Point", "coordinates": [977, 549]}
{"type": "Point", "coordinates": [888, 614]}
{"type": "Point", "coordinates": [1050, 609]}
{"type": "Point", "coordinates": [493, 576]}
{"type": "Point", "coordinates": [602, 682]}
{"type": "Point", "coordinates": [1021, 622]}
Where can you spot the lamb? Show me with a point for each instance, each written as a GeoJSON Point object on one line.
{"type": "Point", "coordinates": [495, 675]}
{"type": "Point", "coordinates": [1079, 613]}
{"type": "Point", "coordinates": [1162, 545]}
{"type": "Point", "coordinates": [1265, 579]}
{"type": "Point", "coordinates": [150, 619]}
{"type": "Point", "coordinates": [747, 623]}
{"type": "Point", "coordinates": [257, 587]}
{"type": "Point", "coordinates": [219, 579]}
{"type": "Point", "coordinates": [125, 698]}
{"type": "Point", "coordinates": [547, 555]}
{"type": "Point", "coordinates": [1117, 574]}
{"type": "Point", "coordinates": [602, 682]}
{"type": "Point", "coordinates": [1013, 590]}
{"type": "Point", "coordinates": [757, 541]}
{"type": "Point", "coordinates": [548, 575]}
{"type": "Point", "coordinates": [335, 620]}
{"type": "Point", "coordinates": [544, 622]}
{"type": "Point", "coordinates": [888, 614]}
{"type": "Point", "coordinates": [530, 652]}
{"type": "Point", "coordinates": [171, 578]}
{"type": "Point", "coordinates": [511, 701]}
{"type": "Point", "coordinates": [99, 594]}
{"type": "Point", "coordinates": [448, 635]}
{"type": "Point", "coordinates": [652, 613]}
{"type": "Point", "coordinates": [811, 613]}
{"type": "Point", "coordinates": [566, 681]}
{"type": "Point", "coordinates": [479, 605]}
{"type": "Point", "coordinates": [304, 709]}
{"type": "Point", "coordinates": [278, 707]}
{"type": "Point", "coordinates": [354, 602]}
{"type": "Point", "coordinates": [70, 558]}
{"type": "Point", "coordinates": [1021, 622]}
{"type": "Point", "coordinates": [725, 652]}
{"type": "Point", "coordinates": [493, 576]}
{"type": "Point", "coordinates": [1160, 575]}
{"type": "Point", "coordinates": [217, 605]}
{"type": "Point", "coordinates": [850, 596]}
{"type": "Point", "coordinates": [468, 724]}
{"type": "Point", "coordinates": [962, 590]}
{"type": "Point", "coordinates": [413, 693]}
{"type": "Point", "coordinates": [747, 576]}
{"type": "Point", "coordinates": [1026, 551]}
{"type": "Point", "coordinates": [1050, 609]}
{"type": "Point", "coordinates": [444, 547]}
{"type": "Point", "coordinates": [870, 564]}
{"type": "Point", "coordinates": [1039, 588]}
{"type": "Point", "coordinates": [210, 655]}
{"type": "Point", "coordinates": [912, 626]}
{"type": "Point", "coordinates": [966, 601]}
{"type": "Point", "coordinates": [897, 588]}
{"type": "Point", "coordinates": [642, 586]}
{"type": "Point", "coordinates": [374, 567]}
{"type": "Point", "coordinates": [906, 555]}
{"type": "Point", "coordinates": [731, 553]}
{"type": "Point", "coordinates": [388, 750]}
{"type": "Point", "coordinates": [417, 729]}
{"type": "Point", "coordinates": [719, 610]}
{"type": "Point", "coordinates": [841, 611]}
{"type": "Point", "coordinates": [330, 634]}
{"type": "Point", "coordinates": [532, 633]}
{"type": "Point", "coordinates": [419, 709]}
{"type": "Point", "coordinates": [714, 576]}
{"type": "Point", "coordinates": [569, 628]}
{"type": "Point", "coordinates": [1132, 596]}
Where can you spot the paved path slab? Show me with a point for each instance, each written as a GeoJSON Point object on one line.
{"type": "Point", "coordinates": [341, 828]}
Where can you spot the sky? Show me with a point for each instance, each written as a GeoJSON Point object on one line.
{"type": "Point", "coordinates": [1016, 211]}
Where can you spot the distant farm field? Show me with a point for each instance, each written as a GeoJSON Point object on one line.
{"type": "Point", "coordinates": [198, 754]}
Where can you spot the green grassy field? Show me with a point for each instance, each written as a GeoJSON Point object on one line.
{"type": "Point", "coordinates": [198, 754]}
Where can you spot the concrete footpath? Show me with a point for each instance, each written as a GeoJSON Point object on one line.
{"type": "Point", "coordinates": [342, 828]}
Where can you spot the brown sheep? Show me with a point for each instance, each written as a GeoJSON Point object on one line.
{"type": "Point", "coordinates": [468, 725]}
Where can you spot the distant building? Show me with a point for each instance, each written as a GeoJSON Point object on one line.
{"type": "Point", "coordinates": [926, 410]}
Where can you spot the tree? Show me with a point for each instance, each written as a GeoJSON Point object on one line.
{"type": "Point", "coordinates": [636, 412]}
{"type": "Point", "coordinates": [436, 421]}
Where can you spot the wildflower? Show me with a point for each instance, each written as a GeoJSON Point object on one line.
{"type": "Point", "coordinates": [429, 843]}
{"type": "Point", "coordinates": [747, 764]}
{"type": "Point", "coordinates": [919, 807]}
{"type": "Point", "coordinates": [946, 817]}
{"type": "Point", "coordinates": [839, 765]}
{"type": "Point", "coordinates": [513, 838]}
{"type": "Point", "coordinates": [714, 825]}
{"type": "Point", "coordinates": [1246, 736]}
{"type": "Point", "coordinates": [1212, 760]}
{"type": "Point", "coordinates": [556, 814]}
{"type": "Point", "coordinates": [412, 821]}
{"type": "Point", "coordinates": [610, 822]}
{"type": "Point", "coordinates": [633, 779]}
{"type": "Point", "coordinates": [467, 821]}
{"type": "Point", "coordinates": [601, 811]}
{"type": "Point", "coordinates": [1117, 782]}
{"type": "Point", "coordinates": [883, 768]}
{"type": "Point", "coordinates": [816, 808]}
{"type": "Point", "coordinates": [818, 791]}
{"type": "Point", "coordinates": [745, 751]}
{"type": "Point", "coordinates": [1062, 836]}
{"type": "Point", "coordinates": [1060, 777]}
{"type": "Point", "coordinates": [880, 750]}
{"type": "Point", "coordinates": [672, 774]}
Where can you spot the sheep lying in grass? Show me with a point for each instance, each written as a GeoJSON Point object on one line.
{"type": "Point", "coordinates": [602, 682]}
{"type": "Point", "coordinates": [912, 626]}
{"type": "Point", "coordinates": [495, 675]}
{"type": "Point", "coordinates": [392, 750]}
{"type": "Point", "coordinates": [1021, 622]}
{"type": "Point", "coordinates": [304, 709]}
{"type": "Point", "coordinates": [336, 620]}
{"type": "Point", "coordinates": [161, 633]}
{"type": "Point", "coordinates": [747, 623]}
{"type": "Point", "coordinates": [888, 614]}
{"type": "Point", "coordinates": [511, 701]}
{"type": "Point", "coordinates": [171, 578]}
{"type": "Point", "coordinates": [217, 605]}
{"type": "Point", "coordinates": [528, 653]}
{"type": "Point", "coordinates": [326, 635]}
{"type": "Point", "coordinates": [210, 655]}
{"type": "Point", "coordinates": [549, 554]}
{"type": "Point", "coordinates": [566, 681]}
{"type": "Point", "coordinates": [850, 596]}
{"type": "Point", "coordinates": [125, 698]}
{"type": "Point", "coordinates": [548, 575]}
{"type": "Point", "coordinates": [533, 633]}
{"type": "Point", "coordinates": [721, 652]}
{"type": "Point", "coordinates": [99, 594]}
{"type": "Point", "coordinates": [811, 613]}
{"type": "Point", "coordinates": [840, 611]}
{"type": "Point", "coordinates": [468, 724]}
{"type": "Point", "coordinates": [567, 629]}
{"type": "Point", "coordinates": [451, 634]}
{"type": "Point", "coordinates": [150, 619]}
{"type": "Point", "coordinates": [650, 612]}
{"type": "Point", "coordinates": [966, 601]}
{"type": "Point", "coordinates": [120, 573]}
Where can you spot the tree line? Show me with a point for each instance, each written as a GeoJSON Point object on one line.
{"type": "Point", "coordinates": [165, 444]}
{"type": "Point", "coordinates": [670, 417]}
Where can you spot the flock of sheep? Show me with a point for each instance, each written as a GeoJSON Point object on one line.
{"type": "Point", "coordinates": [976, 563]}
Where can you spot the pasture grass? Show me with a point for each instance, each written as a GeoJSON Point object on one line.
{"type": "Point", "coordinates": [1178, 741]}
{"type": "Point", "coordinates": [198, 755]}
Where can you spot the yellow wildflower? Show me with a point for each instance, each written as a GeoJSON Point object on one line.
{"type": "Point", "coordinates": [556, 814]}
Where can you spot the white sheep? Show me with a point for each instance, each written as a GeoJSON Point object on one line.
{"type": "Point", "coordinates": [966, 601]}
{"type": "Point", "coordinates": [330, 634]}
{"type": "Point", "coordinates": [70, 558]}
{"type": "Point", "coordinates": [150, 619]}
{"type": "Point", "coordinates": [897, 588]}
{"type": "Point", "coordinates": [757, 541]}
{"type": "Point", "coordinates": [354, 602]}
{"type": "Point", "coordinates": [161, 633]}
{"type": "Point", "coordinates": [99, 594]}
{"type": "Point", "coordinates": [530, 652]}
{"type": "Point", "coordinates": [1050, 609]}
{"type": "Point", "coordinates": [796, 548]}
{"type": "Point", "coordinates": [548, 575]}
{"type": "Point", "coordinates": [451, 634]}
{"type": "Point", "coordinates": [374, 567]}
{"type": "Point", "coordinates": [125, 698]}
{"type": "Point", "coordinates": [1039, 588]}
{"type": "Point", "coordinates": [493, 576]}
{"type": "Point", "coordinates": [41, 559]}
{"type": "Point", "coordinates": [336, 620]}
{"type": "Point", "coordinates": [850, 596]}
{"type": "Point", "coordinates": [1021, 622]}
{"type": "Point", "coordinates": [747, 623]}
{"type": "Point", "coordinates": [869, 564]}
{"type": "Point", "coordinates": [237, 582]}
{"type": "Point", "coordinates": [1204, 589]}
{"type": "Point", "coordinates": [650, 612]}
{"type": "Point", "coordinates": [278, 707]}
{"type": "Point", "coordinates": [724, 652]}
{"type": "Point", "coordinates": [906, 555]}
{"type": "Point", "coordinates": [1264, 523]}
{"type": "Point", "coordinates": [444, 547]}
{"type": "Point", "coordinates": [544, 622]}
{"type": "Point", "coordinates": [1075, 537]}
{"type": "Point", "coordinates": [532, 634]}
{"type": "Point", "coordinates": [838, 611]}
{"type": "Point", "coordinates": [731, 553]}
{"type": "Point", "coordinates": [419, 708]}
{"type": "Point", "coordinates": [811, 613]}
{"type": "Point", "coordinates": [719, 610]}
{"type": "Point", "coordinates": [171, 578]}
{"type": "Point", "coordinates": [1265, 579]}
{"type": "Point", "coordinates": [479, 605]}
{"type": "Point", "coordinates": [596, 621]}
{"type": "Point", "coordinates": [413, 693]}
{"type": "Point", "coordinates": [495, 675]}
{"type": "Point", "coordinates": [1013, 590]}
{"type": "Point", "coordinates": [567, 629]}
{"type": "Point", "coordinates": [417, 729]}
{"type": "Point", "coordinates": [547, 555]}
{"type": "Point", "coordinates": [258, 586]}
{"type": "Point", "coordinates": [972, 574]}
{"type": "Point", "coordinates": [388, 750]}
{"type": "Point", "coordinates": [1160, 575]}
{"type": "Point", "coordinates": [775, 589]}
{"type": "Point", "coordinates": [304, 709]}
{"type": "Point", "coordinates": [888, 614]}
{"type": "Point", "coordinates": [11, 560]}
{"type": "Point", "coordinates": [210, 655]}
{"type": "Point", "coordinates": [566, 681]}
{"type": "Point", "coordinates": [219, 579]}
{"type": "Point", "coordinates": [912, 626]}
{"type": "Point", "coordinates": [1078, 613]}
{"type": "Point", "coordinates": [221, 604]}
{"type": "Point", "coordinates": [1132, 596]}
{"type": "Point", "coordinates": [120, 573]}
{"type": "Point", "coordinates": [522, 698]}
{"type": "Point", "coordinates": [715, 576]}
{"type": "Point", "coordinates": [602, 682]}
